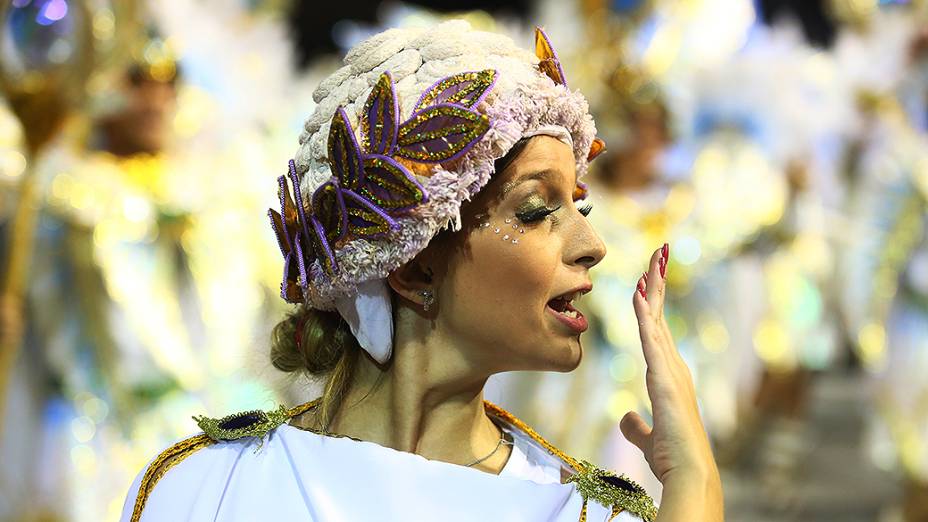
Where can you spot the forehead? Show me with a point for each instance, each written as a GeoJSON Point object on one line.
{"type": "Point", "coordinates": [543, 158]}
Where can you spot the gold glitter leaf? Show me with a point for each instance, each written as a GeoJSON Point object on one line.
{"type": "Point", "coordinates": [465, 89]}
{"type": "Point", "coordinates": [380, 117]}
{"type": "Point", "coordinates": [440, 133]}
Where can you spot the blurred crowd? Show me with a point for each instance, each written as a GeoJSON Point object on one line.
{"type": "Point", "coordinates": [138, 147]}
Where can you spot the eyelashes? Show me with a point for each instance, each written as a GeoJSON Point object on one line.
{"type": "Point", "coordinates": [539, 213]}
{"type": "Point", "coordinates": [535, 214]}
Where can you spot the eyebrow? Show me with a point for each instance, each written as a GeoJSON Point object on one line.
{"type": "Point", "coordinates": [545, 174]}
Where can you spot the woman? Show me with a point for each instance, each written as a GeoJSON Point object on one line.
{"type": "Point", "coordinates": [434, 239]}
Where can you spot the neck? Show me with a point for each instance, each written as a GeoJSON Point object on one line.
{"type": "Point", "coordinates": [428, 401]}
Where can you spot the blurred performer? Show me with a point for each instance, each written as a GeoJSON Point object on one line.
{"type": "Point", "coordinates": [115, 336]}
{"type": "Point", "coordinates": [108, 271]}
{"type": "Point", "coordinates": [887, 258]}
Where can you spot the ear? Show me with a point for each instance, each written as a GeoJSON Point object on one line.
{"type": "Point", "coordinates": [410, 280]}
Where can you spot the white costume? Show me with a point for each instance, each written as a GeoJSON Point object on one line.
{"type": "Point", "coordinates": [295, 474]}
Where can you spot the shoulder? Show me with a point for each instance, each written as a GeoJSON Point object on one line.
{"type": "Point", "coordinates": [624, 497]}
{"type": "Point", "coordinates": [191, 474]}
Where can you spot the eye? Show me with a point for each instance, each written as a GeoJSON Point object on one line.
{"type": "Point", "coordinates": [586, 209]}
{"type": "Point", "coordinates": [535, 214]}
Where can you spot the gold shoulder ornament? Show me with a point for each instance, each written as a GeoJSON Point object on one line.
{"type": "Point", "coordinates": [609, 489]}
{"type": "Point", "coordinates": [254, 423]}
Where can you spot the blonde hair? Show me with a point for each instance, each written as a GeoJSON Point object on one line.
{"type": "Point", "coordinates": [319, 344]}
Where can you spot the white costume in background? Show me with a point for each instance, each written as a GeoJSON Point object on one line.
{"type": "Point", "coordinates": [296, 474]}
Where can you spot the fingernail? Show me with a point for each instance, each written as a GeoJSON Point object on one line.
{"type": "Point", "coordinates": [641, 289]}
{"type": "Point", "coordinates": [644, 275]}
{"type": "Point", "coordinates": [665, 251]}
{"type": "Point", "coordinates": [663, 266]}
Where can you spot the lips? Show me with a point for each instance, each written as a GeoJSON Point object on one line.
{"type": "Point", "coordinates": [563, 310]}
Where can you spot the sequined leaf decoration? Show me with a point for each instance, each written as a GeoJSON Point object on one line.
{"type": "Point", "coordinates": [596, 148]}
{"type": "Point", "coordinates": [548, 60]}
{"type": "Point", "coordinates": [389, 185]}
{"type": "Point", "coordinates": [380, 118]}
{"type": "Point", "coordinates": [365, 219]}
{"type": "Point", "coordinates": [329, 210]}
{"type": "Point", "coordinates": [290, 289]}
{"type": "Point", "coordinates": [288, 225]}
{"type": "Point", "coordinates": [343, 151]}
{"type": "Point", "coordinates": [440, 133]}
{"type": "Point", "coordinates": [327, 224]}
{"type": "Point", "coordinates": [466, 89]}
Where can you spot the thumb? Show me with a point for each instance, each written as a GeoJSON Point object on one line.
{"type": "Point", "coordinates": [636, 430]}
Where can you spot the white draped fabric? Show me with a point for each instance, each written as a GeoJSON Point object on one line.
{"type": "Point", "coordinates": [300, 475]}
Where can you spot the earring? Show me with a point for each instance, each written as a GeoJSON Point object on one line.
{"type": "Point", "coordinates": [428, 299]}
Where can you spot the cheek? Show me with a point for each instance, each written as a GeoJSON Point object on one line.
{"type": "Point", "coordinates": [500, 289]}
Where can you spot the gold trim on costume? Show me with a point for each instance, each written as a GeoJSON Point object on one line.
{"type": "Point", "coordinates": [165, 461]}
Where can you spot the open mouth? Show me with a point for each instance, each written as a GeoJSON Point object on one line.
{"type": "Point", "coordinates": [563, 310]}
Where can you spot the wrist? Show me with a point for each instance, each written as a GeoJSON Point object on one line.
{"type": "Point", "coordinates": [697, 487]}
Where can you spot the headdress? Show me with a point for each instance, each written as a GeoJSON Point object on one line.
{"type": "Point", "coordinates": [402, 135]}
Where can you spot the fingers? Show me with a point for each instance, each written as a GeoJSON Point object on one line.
{"type": "Point", "coordinates": [655, 279]}
{"type": "Point", "coordinates": [648, 329]}
{"type": "Point", "coordinates": [635, 430]}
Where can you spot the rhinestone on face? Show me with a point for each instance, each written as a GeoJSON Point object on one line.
{"type": "Point", "coordinates": [521, 230]}
{"type": "Point", "coordinates": [496, 230]}
{"type": "Point", "coordinates": [515, 241]}
{"type": "Point", "coordinates": [515, 226]}
{"type": "Point", "coordinates": [508, 220]}
{"type": "Point", "coordinates": [506, 237]}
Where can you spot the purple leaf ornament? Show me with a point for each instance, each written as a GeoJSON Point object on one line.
{"type": "Point", "coordinates": [287, 229]}
{"type": "Point", "coordinates": [365, 219]}
{"type": "Point", "coordinates": [343, 152]}
{"type": "Point", "coordinates": [389, 185]}
{"type": "Point", "coordinates": [328, 223]}
{"type": "Point", "coordinates": [380, 118]}
{"type": "Point", "coordinates": [440, 133]}
{"type": "Point", "coordinates": [466, 89]}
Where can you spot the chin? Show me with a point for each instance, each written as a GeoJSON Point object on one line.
{"type": "Point", "coordinates": [567, 357]}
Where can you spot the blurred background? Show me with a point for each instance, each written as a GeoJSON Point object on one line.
{"type": "Point", "coordinates": [779, 146]}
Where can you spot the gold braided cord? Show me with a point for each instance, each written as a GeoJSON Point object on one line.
{"type": "Point", "coordinates": [583, 512]}
{"type": "Point", "coordinates": [303, 408]}
{"type": "Point", "coordinates": [512, 419]}
{"type": "Point", "coordinates": [615, 512]}
{"type": "Point", "coordinates": [165, 461]}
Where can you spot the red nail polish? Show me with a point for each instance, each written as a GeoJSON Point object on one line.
{"type": "Point", "coordinates": [665, 251]}
{"type": "Point", "coordinates": [641, 290]}
{"type": "Point", "coordinates": [645, 276]}
{"type": "Point", "coordinates": [663, 266]}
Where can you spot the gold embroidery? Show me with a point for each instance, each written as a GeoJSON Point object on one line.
{"type": "Point", "coordinates": [255, 423]}
{"type": "Point", "coordinates": [165, 461]}
{"type": "Point", "coordinates": [610, 489]}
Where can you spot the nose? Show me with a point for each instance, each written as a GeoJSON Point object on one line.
{"type": "Point", "coordinates": [586, 248]}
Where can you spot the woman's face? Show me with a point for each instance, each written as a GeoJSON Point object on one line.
{"type": "Point", "coordinates": [524, 253]}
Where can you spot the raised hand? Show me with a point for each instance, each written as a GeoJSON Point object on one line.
{"type": "Point", "coordinates": [676, 447]}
